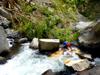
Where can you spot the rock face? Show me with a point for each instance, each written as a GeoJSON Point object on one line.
{"type": "Point", "coordinates": [34, 43]}
{"type": "Point", "coordinates": [48, 44]}
{"type": "Point", "coordinates": [91, 34]}
{"type": "Point", "coordinates": [3, 41]}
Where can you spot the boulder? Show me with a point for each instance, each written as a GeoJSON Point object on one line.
{"type": "Point", "coordinates": [35, 43]}
{"type": "Point", "coordinates": [79, 65]}
{"type": "Point", "coordinates": [4, 22]}
{"type": "Point", "coordinates": [97, 61]}
{"type": "Point", "coordinates": [49, 44]}
{"type": "Point", "coordinates": [23, 40]}
{"type": "Point", "coordinates": [48, 72]}
{"type": "Point", "coordinates": [93, 71]}
{"type": "Point", "coordinates": [82, 25]}
{"type": "Point", "coordinates": [12, 33]}
{"type": "Point", "coordinates": [3, 41]}
{"type": "Point", "coordinates": [91, 34]}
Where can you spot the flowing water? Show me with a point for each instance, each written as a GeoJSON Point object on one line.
{"type": "Point", "coordinates": [29, 62]}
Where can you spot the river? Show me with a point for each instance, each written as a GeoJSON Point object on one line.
{"type": "Point", "coordinates": [29, 62]}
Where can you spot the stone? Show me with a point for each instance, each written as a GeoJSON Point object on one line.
{"type": "Point", "coordinates": [82, 25]}
{"type": "Point", "coordinates": [48, 72]}
{"type": "Point", "coordinates": [93, 71]}
{"type": "Point", "coordinates": [4, 13]}
{"type": "Point", "coordinates": [49, 44]}
{"type": "Point", "coordinates": [35, 43]}
{"type": "Point", "coordinates": [97, 61]}
{"type": "Point", "coordinates": [4, 22]}
{"type": "Point", "coordinates": [23, 40]}
{"type": "Point", "coordinates": [4, 46]}
{"type": "Point", "coordinates": [79, 65]}
{"type": "Point", "coordinates": [12, 33]}
{"type": "Point", "coordinates": [91, 34]}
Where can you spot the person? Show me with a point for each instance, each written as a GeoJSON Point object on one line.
{"type": "Point", "coordinates": [67, 45]}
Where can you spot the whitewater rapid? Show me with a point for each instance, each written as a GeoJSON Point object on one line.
{"type": "Point", "coordinates": [29, 62]}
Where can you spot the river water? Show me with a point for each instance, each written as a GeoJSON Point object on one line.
{"type": "Point", "coordinates": [29, 62]}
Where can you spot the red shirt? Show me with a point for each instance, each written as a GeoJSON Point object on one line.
{"type": "Point", "coordinates": [68, 44]}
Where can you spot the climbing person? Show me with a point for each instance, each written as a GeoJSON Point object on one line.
{"type": "Point", "coordinates": [67, 45]}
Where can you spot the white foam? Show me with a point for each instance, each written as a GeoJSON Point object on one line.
{"type": "Point", "coordinates": [27, 62]}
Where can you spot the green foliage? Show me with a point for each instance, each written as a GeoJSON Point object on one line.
{"type": "Point", "coordinates": [26, 27]}
{"type": "Point", "coordinates": [40, 29]}
{"type": "Point", "coordinates": [64, 34]}
{"type": "Point", "coordinates": [28, 8]}
{"type": "Point", "coordinates": [46, 20]}
{"type": "Point", "coordinates": [46, 11]}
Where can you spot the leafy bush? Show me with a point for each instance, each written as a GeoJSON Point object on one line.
{"type": "Point", "coordinates": [26, 27]}
{"type": "Point", "coordinates": [28, 8]}
{"type": "Point", "coordinates": [40, 29]}
{"type": "Point", "coordinates": [64, 34]}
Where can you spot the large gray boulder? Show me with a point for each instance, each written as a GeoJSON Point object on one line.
{"type": "Point", "coordinates": [4, 46]}
{"type": "Point", "coordinates": [49, 44]}
{"type": "Point", "coordinates": [91, 34]}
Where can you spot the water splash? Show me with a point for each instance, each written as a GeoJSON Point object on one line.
{"type": "Point", "coordinates": [28, 62]}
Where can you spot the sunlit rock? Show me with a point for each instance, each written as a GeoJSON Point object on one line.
{"type": "Point", "coordinates": [91, 34]}
{"type": "Point", "coordinates": [48, 44]}
{"type": "Point", "coordinates": [82, 25]}
{"type": "Point", "coordinates": [79, 65]}
{"type": "Point", "coordinates": [34, 43]}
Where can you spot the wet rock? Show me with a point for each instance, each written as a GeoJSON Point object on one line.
{"type": "Point", "coordinates": [23, 40]}
{"type": "Point", "coordinates": [34, 43]}
{"type": "Point", "coordinates": [12, 33]}
{"type": "Point", "coordinates": [10, 42]}
{"type": "Point", "coordinates": [2, 60]}
{"type": "Point", "coordinates": [97, 61]}
{"type": "Point", "coordinates": [4, 13]}
{"type": "Point", "coordinates": [4, 46]}
{"type": "Point", "coordinates": [4, 22]}
{"type": "Point", "coordinates": [48, 72]}
{"type": "Point", "coordinates": [93, 71]}
{"type": "Point", "coordinates": [84, 56]}
{"type": "Point", "coordinates": [49, 44]}
{"type": "Point", "coordinates": [79, 65]}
